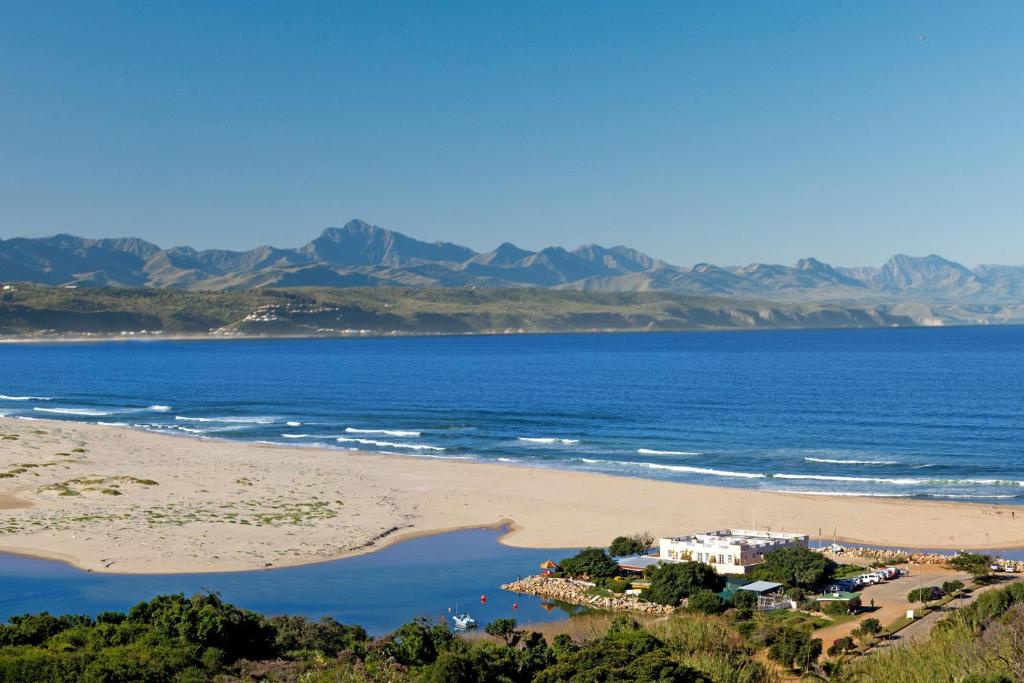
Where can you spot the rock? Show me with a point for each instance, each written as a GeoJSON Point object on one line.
{"type": "Point", "coordinates": [575, 592]}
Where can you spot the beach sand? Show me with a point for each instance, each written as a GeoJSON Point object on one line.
{"type": "Point", "coordinates": [122, 500]}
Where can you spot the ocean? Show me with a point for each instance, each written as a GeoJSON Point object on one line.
{"type": "Point", "coordinates": [913, 413]}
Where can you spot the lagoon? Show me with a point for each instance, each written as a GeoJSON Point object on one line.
{"type": "Point", "coordinates": [380, 591]}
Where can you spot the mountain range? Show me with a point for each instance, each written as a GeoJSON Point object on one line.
{"type": "Point", "coordinates": [364, 255]}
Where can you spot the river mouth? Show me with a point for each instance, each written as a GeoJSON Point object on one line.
{"type": "Point", "coordinates": [421, 577]}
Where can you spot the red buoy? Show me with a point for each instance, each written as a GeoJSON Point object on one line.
{"type": "Point", "coordinates": [515, 605]}
{"type": "Point", "coordinates": [483, 598]}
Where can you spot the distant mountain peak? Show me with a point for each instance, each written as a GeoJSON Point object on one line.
{"type": "Point", "coordinates": [360, 253]}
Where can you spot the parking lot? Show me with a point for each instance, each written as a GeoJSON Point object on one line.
{"type": "Point", "coordinates": [890, 599]}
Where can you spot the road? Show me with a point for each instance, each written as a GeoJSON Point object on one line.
{"type": "Point", "coordinates": [920, 629]}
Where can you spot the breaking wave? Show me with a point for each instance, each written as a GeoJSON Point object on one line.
{"type": "Point", "coordinates": [85, 412]}
{"type": "Point", "coordinates": [389, 444]}
{"type": "Point", "coordinates": [651, 451]}
{"type": "Point", "coordinates": [546, 439]}
{"type": "Point", "coordinates": [383, 432]}
{"type": "Point", "coordinates": [5, 397]}
{"type": "Point", "coordinates": [840, 461]}
{"type": "Point", "coordinates": [227, 420]}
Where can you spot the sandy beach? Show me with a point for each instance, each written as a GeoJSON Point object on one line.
{"type": "Point", "coordinates": [122, 500]}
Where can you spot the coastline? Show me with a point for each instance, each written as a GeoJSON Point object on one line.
{"type": "Point", "coordinates": [123, 500]}
{"type": "Point", "coordinates": [117, 338]}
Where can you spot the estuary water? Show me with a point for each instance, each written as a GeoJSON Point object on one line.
{"type": "Point", "coordinates": [424, 577]}
{"type": "Point", "coordinates": [924, 413]}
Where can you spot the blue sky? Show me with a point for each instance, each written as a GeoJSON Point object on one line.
{"type": "Point", "coordinates": [694, 131]}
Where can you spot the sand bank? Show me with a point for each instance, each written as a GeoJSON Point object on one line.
{"type": "Point", "coordinates": [122, 500]}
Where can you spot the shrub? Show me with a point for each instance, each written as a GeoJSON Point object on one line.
{"type": "Point", "coordinates": [504, 628]}
{"type": "Point", "coordinates": [592, 562]}
{"type": "Point", "coordinates": [794, 648]}
{"type": "Point", "coordinates": [841, 646]}
{"type": "Point", "coordinates": [975, 564]}
{"type": "Point", "coordinates": [743, 599]}
{"type": "Point", "coordinates": [796, 594]}
{"type": "Point", "coordinates": [706, 602]}
{"type": "Point", "coordinates": [671, 582]}
{"type": "Point", "coordinates": [627, 545]}
{"type": "Point", "coordinates": [840, 607]}
{"type": "Point", "coordinates": [796, 566]}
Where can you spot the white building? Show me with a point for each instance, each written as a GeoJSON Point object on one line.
{"type": "Point", "coordinates": [729, 551]}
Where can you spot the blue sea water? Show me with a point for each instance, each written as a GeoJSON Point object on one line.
{"type": "Point", "coordinates": [381, 591]}
{"type": "Point", "coordinates": [926, 413]}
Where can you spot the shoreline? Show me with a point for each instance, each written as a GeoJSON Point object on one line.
{"type": "Point", "coordinates": [117, 338]}
{"type": "Point", "coordinates": [213, 505]}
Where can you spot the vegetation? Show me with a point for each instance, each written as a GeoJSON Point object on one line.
{"type": "Point", "coordinates": [591, 562]}
{"type": "Point", "coordinates": [980, 643]}
{"type": "Point", "coordinates": [923, 595]}
{"type": "Point", "coordinates": [974, 564]}
{"type": "Point", "coordinates": [795, 649]}
{"type": "Point", "coordinates": [868, 630]}
{"type": "Point", "coordinates": [630, 545]}
{"type": "Point", "coordinates": [672, 582]}
{"type": "Point", "coordinates": [953, 587]}
{"type": "Point", "coordinates": [34, 310]}
{"type": "Point", "coordinates": [192, 640]}
{"type": "Point", "coordinates": [795, 566]}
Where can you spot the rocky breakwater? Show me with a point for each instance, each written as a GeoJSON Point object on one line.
{"type": "Point", "coordinates": [887, 556]}
{"type": "Point", "coordinates": [579, 593]}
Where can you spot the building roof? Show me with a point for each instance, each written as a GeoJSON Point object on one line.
{"type": "Point", "coordinates": [760, 586]}
{"type": "Point", "coordinates": [549, 564]}
{"type": "Point", "coordinates": [743, 537]}
{"type": "Point", "coordinates": [637, 562]}
{"type": "Point", "coordinates": [841, 595]}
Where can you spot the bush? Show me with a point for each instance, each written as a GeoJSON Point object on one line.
{"type": "Point", "coordinates": [794, 648]}
{"type": "Point", "coordinates": [743, 600]}
{"type": "Point", "coordinates": [923, 595]}
{"type": "Point", "coordinates": [630, 545]}
{"type": "Point", "coordinates": [506, 629]}
{"type": "Point", "coordinates": [975, 564]}
{"type": "Point", "coordinates": [673, 581]}
{"type": "Point", "coordinates": [796, 594]}
{"type": "Point", "coordinates": [841, 646]}
{"type": "Point", "coordinates": [840, 607]}
{"type": "Point", "coordinates": [705, 602]}
{"type": "Point", "coordinates": [592, 562]}
{"type": "Point", "coordinates": [795, 566]}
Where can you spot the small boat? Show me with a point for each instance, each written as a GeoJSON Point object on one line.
{"type": "Point", "coordinates": [463, 621]}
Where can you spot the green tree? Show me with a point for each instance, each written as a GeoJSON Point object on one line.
{"type": "Point", "coordinates": [975, 564]}
{"type": "Point", "coordinates": [625, 545]}
{"type": "Point", "coordinates": [506, 629]}
{"type": "Point", "coordinates": [794, 648]}
{"type": "Point", "coordinates": [922, 595]}
{"type": "Point", "coordinates": [952, 587]}
{"type": "Point", "coordinates": [743, 599]}
{"type": "Point", "coordinates": [841, 646]}
{"type": "Point", "coordinates": [795, 566]}
{"type": "Point", "coordinates": [626, 653]}
{"type": "Point", "coordinates": [673, 581]}
{"type": "Point", "coordinates": [705, 602]}
{"type": "Point", "coordinates": [867, 630]}
{"type": "Point", "coordinates": [592, 562]}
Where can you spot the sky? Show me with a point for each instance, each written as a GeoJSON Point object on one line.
{"type": "Point", "coordinates": [704, 131]}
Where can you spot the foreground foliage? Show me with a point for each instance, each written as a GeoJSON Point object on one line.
{"type": "Point", "coordinates": [197, 639]}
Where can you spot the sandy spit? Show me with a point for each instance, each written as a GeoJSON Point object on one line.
{"type": "Point", "coordinates": [121, 500]}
